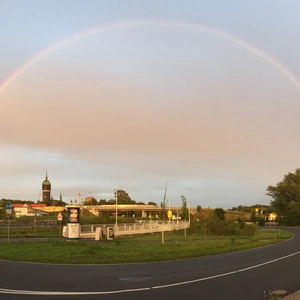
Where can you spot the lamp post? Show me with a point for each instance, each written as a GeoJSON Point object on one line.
{"type": "Point", "coordinates": [116, 206]}
{"type": "Point", "coordinates": [91, 193]}
{"type": "Point", "coordinates": [52, 203]}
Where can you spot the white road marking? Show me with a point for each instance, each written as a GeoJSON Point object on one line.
{"type": "Point", "coordinates": [49, 293]}
{"type": "Point", "coordinates": [225, 274]}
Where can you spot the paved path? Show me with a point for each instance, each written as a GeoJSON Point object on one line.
{"type": "Point", "coordinates": [294, 296]}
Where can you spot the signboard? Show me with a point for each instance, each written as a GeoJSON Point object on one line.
{"type": "Point", "coordinates": [73, 214]}
{"type": "Point", "coordinates": [59, 216]}
{"type": "Point", "coordinates": [8, 213]}
{"type": "Point", "coordinates": [73, 225]}
{"type": "Point", "coordinates": [170, 215]}
{"type": "Point", "coordinates": [73, 231]}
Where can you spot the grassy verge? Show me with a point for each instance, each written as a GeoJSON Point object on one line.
{"type": "Point", "coordinates": [30, 232]}
{"type": "Point", "coordinates": [144, 248]}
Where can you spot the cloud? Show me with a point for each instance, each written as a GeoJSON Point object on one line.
{"type": "Point", "coordinates": [211, 131]}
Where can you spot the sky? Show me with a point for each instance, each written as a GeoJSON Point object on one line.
{"type": "Point", "coordinates": [201, 96]}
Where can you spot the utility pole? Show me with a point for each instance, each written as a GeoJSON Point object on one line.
{"type": "Point", "coordinates": [116, 207]}
{"type": "Point", "coordinates": [163, 204]}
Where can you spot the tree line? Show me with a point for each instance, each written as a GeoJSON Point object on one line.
{"type": "Point", "coordinates": [122, 198]}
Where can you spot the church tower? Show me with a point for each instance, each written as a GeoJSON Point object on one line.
{"type": "Point", "coordinates": [46, 188]}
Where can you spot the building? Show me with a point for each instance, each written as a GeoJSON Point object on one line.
{"type": "Point", "coordinates": [271, 217]}
{"type": "Point", "coordinates": [29, 209]}
{"type": "Point", "coordinates": [46, 188]}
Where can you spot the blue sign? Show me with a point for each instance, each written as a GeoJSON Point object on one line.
{"type": "Point", "coordinates": [8, 205]}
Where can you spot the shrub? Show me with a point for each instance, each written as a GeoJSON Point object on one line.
{"type": "Point", "coordinates": [261, 221]}
{"type": "Point", "coordinates": [215, 226]}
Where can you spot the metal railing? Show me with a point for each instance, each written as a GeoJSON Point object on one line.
{"type": "Point", "coordinates": [140, 227]}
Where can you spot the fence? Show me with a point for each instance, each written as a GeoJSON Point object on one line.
{"type": "Point", "coordinates": [28, 223]}
{"type": "Point", "coordinates": [88, 231]}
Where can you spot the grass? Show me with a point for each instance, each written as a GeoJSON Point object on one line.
{"type": "Point", "coordinates": [136, 249]}
{"type": "Point", "coordinates": [30, 231]}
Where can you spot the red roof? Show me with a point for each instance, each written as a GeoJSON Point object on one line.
{"type": "Point", "coordinates": [37, 205]}
{"type": "Point", "coordinates": [34, 205]}
{"type": "Point", "coordinates": [18, 205]}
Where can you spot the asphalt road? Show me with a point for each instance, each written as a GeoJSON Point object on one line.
{"type": "Point", "coordinates": [239, 275]}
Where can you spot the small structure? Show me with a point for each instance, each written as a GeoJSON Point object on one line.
{"type": "Point", "coordinates": [271, 217]}
{"type": "Point", "coordinates": [29, 209]}
{"type": "Point", "coordinates": [73, 225]}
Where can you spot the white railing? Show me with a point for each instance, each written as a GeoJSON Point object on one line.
{"type": "Point", "coordinates": [88, 231]}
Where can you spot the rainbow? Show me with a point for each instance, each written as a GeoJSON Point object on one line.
{"type": "Point", "coordinates": [167, 23]}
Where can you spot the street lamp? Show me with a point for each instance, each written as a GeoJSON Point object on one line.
{"type": "Point", "coordinates": [91, 193]}
{"type": "Point", "coordinates": [116, 206]}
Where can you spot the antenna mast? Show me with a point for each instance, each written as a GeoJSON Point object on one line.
{"type": "Point", "coordinates": [163, 204]}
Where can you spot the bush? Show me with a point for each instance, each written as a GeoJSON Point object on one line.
{"type": "Point", "coordinates": [215, 226]}
{"type": "Point", "coordinates": [261, 221]}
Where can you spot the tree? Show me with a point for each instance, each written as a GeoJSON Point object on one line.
{"type": "Point", "coordinates": [124, 198]}
{"type": "Point", "coordinates": [292, 214]}
{"type": "Point", "coordinates": [253, 217]}
{"type": "Point", "coordinates": [90, 201]}
{"type": "Point", "coordinates": [102, 201]}
{"type": "Point", "coordinates": [286, 191]}
{"type": "Point", "coordinates": [184, 209]}
{"type": "Point", "coordinates": [219, 213]}
{"type": "Point", "coordinates": [198, 208]}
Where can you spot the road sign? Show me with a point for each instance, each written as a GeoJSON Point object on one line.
{"type": "Point", "coordinates": [59, 216]}
{"type": "Point", "coordinates": [8, 205]}
{"type": "Point", "coordinates": [8, 211]}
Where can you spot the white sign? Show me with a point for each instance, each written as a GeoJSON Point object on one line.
{"type": "Point", "coordinates": [73, 231]}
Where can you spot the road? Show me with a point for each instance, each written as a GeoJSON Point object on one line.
{"type": "Point", "coordinates": [239, 275]}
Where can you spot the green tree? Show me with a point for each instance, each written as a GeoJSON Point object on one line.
{"type": "Point", "coordinates": [198, 208]}
{"type": "Point", "coordinates": [102, 201]}
{"type": "Point", "coordinates": [184, 209]}
{"type": "Point", "coordinates": [292, 214]}
{"type": "Point", "coordinates": [90, 201]}
{"type": "Point", "coordinates": [219, 213]}
{"type": "Point", "coordinates": [285, 192]}
{"type": "Point", "coordinates": [124, 198]}
{"type": "Point", "coordinates": [253, 217]}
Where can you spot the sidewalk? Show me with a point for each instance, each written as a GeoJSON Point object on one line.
{"type": "Point", "coordinates": [284, 295]}
{"type": "Point", "coordinates": [294, 296]}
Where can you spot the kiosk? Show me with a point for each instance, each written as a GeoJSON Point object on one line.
{"type": "Point", "coordinates": [73, 226]}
